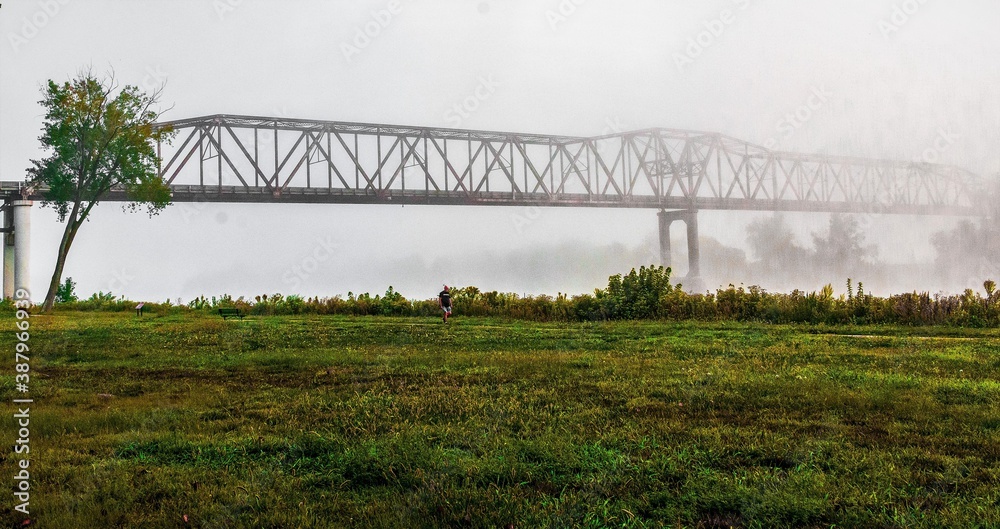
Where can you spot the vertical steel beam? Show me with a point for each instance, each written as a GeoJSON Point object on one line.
{"type": "Point", "coordinates": [378, 168]}
{"type": "Point", "coordinates": [218, 146]}
{"type": "Point", "coordinates": [201, 157]}
{"type": "Point", "coordinates": [427, 168]}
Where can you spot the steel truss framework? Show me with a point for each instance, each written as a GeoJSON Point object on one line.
{"type": "Point", "coordinates": [258, 159]}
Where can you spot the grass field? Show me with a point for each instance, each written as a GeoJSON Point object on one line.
{"type": "Point", "coordinates": [368, 422]}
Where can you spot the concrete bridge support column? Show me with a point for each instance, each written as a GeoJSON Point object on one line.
{"type": "Point", "coordinates": [694, 249]}
{"type": "Point", "coordinates": [22, 245]}
{"type": "Point", "coordinates": [7, 238]}
{"type": "Point", "coordinates": [665, 221]}
{"type": "Point", "coordinates": [689, 217]}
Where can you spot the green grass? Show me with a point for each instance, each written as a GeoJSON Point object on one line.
{"type": "Point", "coordinates": [375, 422]}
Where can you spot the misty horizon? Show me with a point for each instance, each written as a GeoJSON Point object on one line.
{"type": "Point", "coordinates": [856, 79]}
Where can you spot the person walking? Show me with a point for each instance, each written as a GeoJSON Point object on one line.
{"type": "Point", "coordinates": [444, 301]}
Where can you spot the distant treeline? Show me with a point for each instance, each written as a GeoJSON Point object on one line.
{"type": "Point", "coordinates": [646, 294]}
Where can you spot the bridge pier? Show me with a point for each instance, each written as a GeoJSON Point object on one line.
{"type": "Point", "coordinates": [16, 247]}
{"type": "Point", "coordinates": [689, 217]}
{"type": "Point", "coordinates": [8, 252]}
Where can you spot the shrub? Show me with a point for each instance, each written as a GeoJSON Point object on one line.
{"type": "Point", "coordinates": [641, 294]}
{"type": "Point", "coordinates": [66, 292]}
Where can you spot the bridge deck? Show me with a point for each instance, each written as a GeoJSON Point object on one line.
{"type": "Point", "coordinates": [296, 195]}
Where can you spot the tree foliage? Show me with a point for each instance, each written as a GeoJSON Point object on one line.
{"type": "Point", "coordinates": [842, 250]}
{"type": "Point", "coordinates": [98, 138]}
{"type": "Point", "coordinates": [67, 291]}
{"type": "Point", "coordinates": [968, 251]}
{"type": "Point", "coordinates": [772, 244]}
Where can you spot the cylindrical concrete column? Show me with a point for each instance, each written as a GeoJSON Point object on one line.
{"type": "Point", "coordinates": [22, 244]}
{"type": "Point", "coordinates": [7, 241]}
{"type": "Point", "coordinates": [694, 251]}
{"type": "Point", "coordinates": [665, 222]}
{"type": "Point", "coordinates": [8, 267]}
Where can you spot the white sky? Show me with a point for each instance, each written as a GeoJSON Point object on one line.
{"type": "Point", "coordinates": [604, 64]}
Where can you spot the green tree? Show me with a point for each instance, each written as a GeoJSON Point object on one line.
{"type": "Point", "coordinates": [971, 250]}
{"type": "Point", "coordinates": [98, 137]}
{"type": "Point", "coordinates": [772, 243]}
{"type": "Point", "coordinates": [842, 251]}
{"type": "Point", "coordinates": [66, 291]}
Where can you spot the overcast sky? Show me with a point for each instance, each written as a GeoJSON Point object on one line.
{"type": "Point", "coordinates": [887, 78]}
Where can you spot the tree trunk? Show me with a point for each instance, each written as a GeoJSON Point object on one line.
{"type": "Point", "coordinates": [72, 225]}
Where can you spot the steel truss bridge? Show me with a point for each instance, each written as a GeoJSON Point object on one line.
{"type": "Point", "coordinates": [228, 158]}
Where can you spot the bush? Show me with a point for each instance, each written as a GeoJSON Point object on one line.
{"type": "Point", "coordinates": [643, 294]}
{"type": "Point", "coordinates": [66, 292]}
{"type": "Point", "coordinates": [636, 295]}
